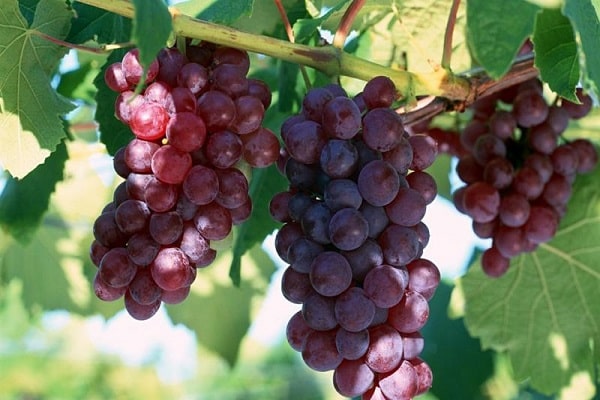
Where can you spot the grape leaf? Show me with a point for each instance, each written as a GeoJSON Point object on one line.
{"type": "Point", "coordinates": [545, 311]}
{"type": "Point", "coordinates": [584, 16]}
{"type": "Point", "coordinates": [495, 41]}
{"type": "Point", "coordinates": [92, 23]}
{"type": "Point", "coordinates": [29, 107]}
{"type": "Point", "coordinates": [151, 28]}
{"type": "Point", "coordinates": [265, 183]}
{"type": "Point", "coordinates": [42, 268]}
{"type": "Point", "coordinates": [218, 11]}
{"type": "Point", "coordinates": [23, 202]}
{"type": "Point", "coordinates": [304, 28]}
{"type": "Point", "coordinates": [556, 53]}
{"type": "Point", "coordinates": [54, 266]}
{"type": "Point", "coordinates": [265, 18]}
{"type": "Point", "coordinates": [219, 313]}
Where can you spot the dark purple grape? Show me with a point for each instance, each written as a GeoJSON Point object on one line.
{"type": "Point", "coordinates": [380, 91]}
{"type": "Point", "coordinates": [339, 158]}
{"type": "Point", "coordinates": [354, 310]}
{"type": "Point", "coordinates": [382, 129]}
{"type": "Point", "coordinates": [341, 118]}
{"type": "Point", "coordinates": [116, 268]}
{"type": "Point", "coordinates": [378, 183]}
{"type": "Point", "coordinates": [348, 229]}
{"type": "Point", "coordinates": [330, 273]}
{"type": "Point", "coordinates": [352, 345]}
{"type": "Point", "coordinates": [296, 331]}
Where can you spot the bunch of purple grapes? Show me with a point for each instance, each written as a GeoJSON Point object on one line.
{"type": "Point", "coordinates": [353, 239]}
{"type": "Point", "coordinates": [196, 120]}
{"type": "Point", "coordinates": [518, 170]}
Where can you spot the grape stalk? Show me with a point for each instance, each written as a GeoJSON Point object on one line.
{"type": "Point", "coordinates": [196, 121]}
{"type": "Point", "coordinates": [353, 237]}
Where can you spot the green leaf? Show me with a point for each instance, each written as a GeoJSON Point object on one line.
{"type": "Point", "coordinates": [440, 170]}
{"type": "Point", "coordinates": [265, 18]}
{"type": "Point", "coordinates": [556, 53]}
{"type": "Point", "coordinates": [545, 311]}
{"type": "Point", "coordinates": [92, 23]}
{"type": "Point", "coordinates": [79, 83]}
{"type": "Point", "coordinates": [42, 267]}
{"type": "Point", "coordinates": [265, 183]}
{"type": "Point", "coordinates": [113, 133]}
{"type": "Point", "coordinates": [29, 107]}
{"type": "Point", "coordinates": [218, 11]}
{"type": "Point", "coordinates": [447, 340]}
{"type": "Point", "coordinates": [219, 313]}
{"type": "Point", "coordinates": [23, 202]}
{"type": "Point", "coordinates": [496, 29]}
{"type": "Point", "coordinates": [585, 19]}
{"type": "Point", "coordinates": [304, 28]}
{"type": "Point", "coordinates": [151, 28]}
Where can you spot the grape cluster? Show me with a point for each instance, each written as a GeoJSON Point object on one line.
{"type": "Point", "coordinates": [518, 170]}
{"type": "Point", "coordinates": [196, 120]}
{"type": "Point", "coordinates": [353, 239]}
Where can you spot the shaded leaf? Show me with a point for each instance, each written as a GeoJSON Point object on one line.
{"type": "Point", "coordinates": [265, 19]}
{"type": "Point", "coordinates": [29, 107]}
{"type": "Point", "coordinates": [218, 11]}
{"type": "Point", "coordinates": [151, 28]}
{"type": "Point", "coordinates": [265, 183]}
{"type": "Point", "coordinates": [113, 133]}
{"type": "Point", "coordinates": [92, 23]}
{"type": "Point", "coordinates": [495, 41]}
{"type": "Point", "coordinates": [556, 53]}
{"type": "Point", "coordinates": [24, 202]}
{"type": "Point", "coordinates": [545, 311]}
{"type": "Point", "coordinates": [584, 17]}
{"type": "Point", "coordinates": [304, 28]}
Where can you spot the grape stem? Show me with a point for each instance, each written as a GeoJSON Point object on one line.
{"type": "Point", "coordinates": [328, 59]}
{"type": "Point", "coordinates": [341, 33]}
{"type": "Point", "coordinates": [290, 34]}
{"type": "Point", "coordinates": [447, 52]}
{"type": "Point", "coordinates": [95, 50]}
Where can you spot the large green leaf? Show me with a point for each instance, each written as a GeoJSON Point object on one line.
{"type": "Point", "coordinates": [54, 266]}
{"type": "Point", "coordinates": [92, 23]}
{"type": "Point", "coordinates": [496, 29]}
{"type": "Point", "coordinates": [151, 28]}
{"type": "Point", "coordinates": [584, 16]}
{"type": "Point", "coordinates": [23, 202]}
{"type": "Point", "coordinates": [556, 52]}
{"type": "Point", "coordinates": [545, 311]}
{"type": "Point", "coordinates": [220, 313]}
{"type": "Point", "coordinates": [42, 268]}
{"type": "Point", "coordinates": [30, 127]}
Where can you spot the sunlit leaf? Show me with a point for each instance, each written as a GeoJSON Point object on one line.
{"type": "Point", "coordinates": [585, 18]}
{"type": "Point", "coordinates": [24, 202]}
{"type": "Point", "coordinates": [556, 53]}
{"type": "Point", "coordinates": [30, 127]}
{"type": "Point", "coordinates": [545, 312]}
{"type": "Point", "coordinates": [495, 40]}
